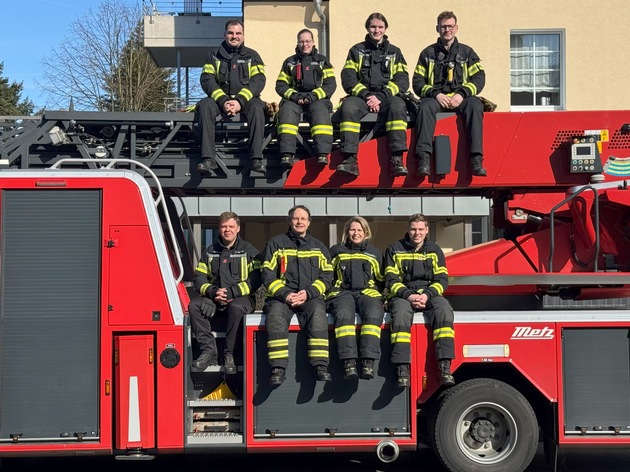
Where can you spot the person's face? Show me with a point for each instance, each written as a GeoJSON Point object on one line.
{"type": "Point", "coordinates": [356, 233]}
{"type": "Point", "coordinates": [228, 230]}
{"type": "Point", "coordinates": [447, 29]}
{"type": "Point", "coordinates": [299, 222]}
{"type": "Point", "coordinates": [376, 30]}
{"type": "Point", "coordinates": [305, 43]}
{"type": "Point", "coordinates": [418, 231]}
{"type": "Point", "coordinates": [234, 35]}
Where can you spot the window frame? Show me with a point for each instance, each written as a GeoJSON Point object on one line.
{"type": "Point", "coordinates": [561, 32]}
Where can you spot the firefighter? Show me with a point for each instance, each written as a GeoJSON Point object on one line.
{"type": "Point", "coordinates": [296, 273]}
{"type": "Point", "coordinates": [233, 78]}
{"type": "Point", "coordinates": [306, 82]}
{"type": "Point", "coordinates": [357, 286]}
{"type": "Point", "coordinates": [416, 277]}
{"type": "Point", "coordinates": [374, 77]}
{"type": "Point", "coordinates": [448, 77]}
{"type": "Point", "coordinates": [227, 277]}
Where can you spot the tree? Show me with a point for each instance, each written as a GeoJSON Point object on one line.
{"type": "Point", "coordinates": [101, 65]}
{"type": "Point", "coordinates": [137, 83]}
{"type": "Point", "coordinates": [10, 95]}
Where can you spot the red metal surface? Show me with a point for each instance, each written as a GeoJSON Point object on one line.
{"type": "Point", "coordinates": [521, 150]}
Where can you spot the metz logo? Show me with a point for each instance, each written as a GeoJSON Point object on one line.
{"type": "Point", "coordinates": [527, 332]}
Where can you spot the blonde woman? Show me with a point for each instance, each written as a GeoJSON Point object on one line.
{"type": "Point", "coordinates": [357, 286]}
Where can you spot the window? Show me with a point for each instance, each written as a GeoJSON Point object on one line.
{"type": "Point", "coordinates": [537, 70]}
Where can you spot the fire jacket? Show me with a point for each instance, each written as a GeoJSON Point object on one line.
{"type": "Point", "coordinates": [357, 268]}
{"type": "Point", "coordinates": [409, 271]}
{"type": "Point", "coordinates": [375, 69]}
{"type": "Point", "coordinates": [457, 70]}
{"type": "Point", "coordinates": [292, 263]}
{"type": "Point", "coordinates": [306, 76]}
{"type": "Point", "coordinates": [236, 268]}
{"type": "Point", "coordinates": [233, 73]}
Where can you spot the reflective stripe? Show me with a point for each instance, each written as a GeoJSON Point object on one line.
{"type": "Point", "coordinates": [346, 330]}
{"type": "Point", "coordinates": [443, 333]}
{"type": "Point", "coordinates": [371, 330]}
{"type": "Point", "coordinates": [401, 337]}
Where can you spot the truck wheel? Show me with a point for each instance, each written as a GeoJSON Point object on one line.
{"type": "Point", "coordinates": [485, 424]}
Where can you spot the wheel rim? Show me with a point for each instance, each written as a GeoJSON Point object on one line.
{"type": "Point", "coordinates": [486, 433]}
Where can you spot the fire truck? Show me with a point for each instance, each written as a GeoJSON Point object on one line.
{"type": "Point", "coordinates": [96, 348]}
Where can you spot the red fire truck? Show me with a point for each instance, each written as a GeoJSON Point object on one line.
{"type": "Point", "coordinates": [96, 347]}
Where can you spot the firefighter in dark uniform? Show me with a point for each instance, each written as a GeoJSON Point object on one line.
{"type": "Point", "coordinates": [296, 273]}
{"type": "Point", "coordinates": [227, 277]}
{"type": "Point", "coordinates": [416, 277]}
{"type": "Point", "coordinates": [306, 82]}
{"type": "Point", "coordinates": [233, 78]}
{"type": "Point", "coordinates": [374, 76]}
{"type": "Point", "coordinates": [448, 77]}
{"type": "Point", "coordinates": [357, 286]}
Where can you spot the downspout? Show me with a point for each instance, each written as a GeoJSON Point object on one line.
{"type": "Point", "coordinates": [323, 46]}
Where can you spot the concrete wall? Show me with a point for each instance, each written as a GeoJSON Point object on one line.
{"type": "Point", "coordinates": [597, 40]}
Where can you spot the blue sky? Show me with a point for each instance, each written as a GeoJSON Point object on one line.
{"type": "Point", "coordinates": [29, 30]}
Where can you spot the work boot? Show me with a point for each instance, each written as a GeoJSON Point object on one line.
{"type": "Point", "coordinates": [278, 375]}
{"type": "Point", "coordinates": [349, 165]}
{"type": "Point", "coordinates": [207, 165]}
{"type": "Point", "coordinates": [229, 366]}
{"type": "Point", "coordinates": [367, 372]}
{"type": "Point", "coordinates": [322, 373]}
{"type": "Point", "coordinates": [446, 377]}
{"type": "Point", "coordinates": [350, 370]}
{"type": "Point", "coordinates": [476, 162]}
{"type": "Point", "coordinates": [286, 161]}
{"type": "Point", "coordinates": [402, 370]}
{"type": "Point", "coordinates": [396, 167]}
{"type": "Point", "coordinates": [258, 166]}
{"type": "Point", "coordinates": [205, 360]}
{"type": "Point", "coordinates": [424, 160]}
{"type": "Point", "coordinates": [322, 159]}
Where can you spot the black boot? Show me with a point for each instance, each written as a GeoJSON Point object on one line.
{"type": "Point", "coordinates": [205, 360]}
{"type": "Point", "coordinates": [402, 370]}
{"type": "Point", "coordinates": [367, 372]}
{"type": "Point", "coordinates": [322, 159]}
{"type": "Point", "coordinates": [350, 370]}
{"type": "Point", "coordinates": [349, 165]}
{"type": "Point", "coordinates": [278, 375]}
{"type": "Point", "coordinates": [476, 163]}
{"type": "Point", "coordinates": [424, 164]}
{"type": "Point", "coordinates": [258, 166]}
{"type": "Point", "coordinates": [397, 169]}
{"type": "Point", "coordinates": [207, 165]}
{"type": "Point", "coordinates": [286, 161]}
{"type": "Point", "coordinates": [229, 364]}
{"type": "Point", "coordinates": [322, 373]}
{"type": "Point", "coordinates": [446, 377]}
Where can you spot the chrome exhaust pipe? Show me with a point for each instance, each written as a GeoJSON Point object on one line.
{"type": "Point", "coordinates": [387, 451]}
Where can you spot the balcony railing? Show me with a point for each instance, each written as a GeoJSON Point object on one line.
{"type": "Point", "coordinates": [227, 8]}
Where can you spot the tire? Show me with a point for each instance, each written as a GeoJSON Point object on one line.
{"type": "Point", "coordinates": [485, 425]}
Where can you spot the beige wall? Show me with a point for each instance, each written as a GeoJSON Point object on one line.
{"type": "Point", "coordinates": [596, 64]}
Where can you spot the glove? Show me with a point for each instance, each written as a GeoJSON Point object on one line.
{"type": "Point", "coordinates": [208, 308]}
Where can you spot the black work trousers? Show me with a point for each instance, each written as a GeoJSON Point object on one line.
{"type": "Point", "coordinates": [318, 115]}
{"type": "Point", "coordinates": [234, 313]}
{"type": "Point", "coordinates": [312, 318]}
{"type": "Point", "coordinates": [471, 109]}
{"type": "Point", "coordinates": [440, 315]}
{"type": "Point", "coordinates": [206, 113]}
{"type": "Point", "coordinates": [344, 308]}
{"type": "Point", "coordinates": [353, 109]}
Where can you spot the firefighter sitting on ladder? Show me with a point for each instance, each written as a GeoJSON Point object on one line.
{"type": "Point", "coordinates": [296, 273]}
{"type": "Point", "coordinates": [357, 287]}
{"type": "Point", "coordinates": [416, 277]}
{"type": "Point", "coordinates": [226, 277]}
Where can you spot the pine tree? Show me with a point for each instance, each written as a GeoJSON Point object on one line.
{"type": "Point", "coordinates": [10, 97]}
